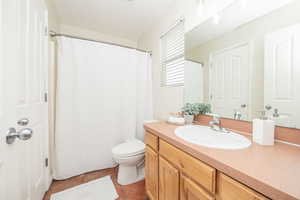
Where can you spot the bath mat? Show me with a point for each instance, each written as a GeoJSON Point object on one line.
{"type": "Point", "coordinates": [100, 189]}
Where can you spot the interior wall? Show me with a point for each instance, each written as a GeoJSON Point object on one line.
{"type": "Point", "coordinates": [55, 25]}
{"type": "Point", "coordinates": [72, 30]}
{"type": "Point", "coordinates": [53, 19]}
{"type": "Point", "coordinates": [253, 32]}
{"type": "Point", "coordinates": [170, 99]}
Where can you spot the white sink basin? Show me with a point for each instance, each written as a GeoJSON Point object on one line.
{"type": "Point", "coordinates": [205, 136]}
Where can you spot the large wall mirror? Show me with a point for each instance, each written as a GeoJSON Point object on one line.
{"type": "Point", "coordinates": [245, 60]}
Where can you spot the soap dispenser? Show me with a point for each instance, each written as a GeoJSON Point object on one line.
{"type": "Point", "coordinates": [263, 130]}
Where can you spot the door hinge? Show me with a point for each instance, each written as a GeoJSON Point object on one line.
{"type": "Point", "coordinates": [46, 97]}
{"type": "Point", "coordinates": [46, 31]}
{"type": "Point", "coordinates": [46, 162]}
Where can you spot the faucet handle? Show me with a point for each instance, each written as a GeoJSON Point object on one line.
{"type": "Point", "coordinates": [268, 107]}
{"type": "Point", "coordinates": [276, 113]}
{"type": "Point", "coordinates": [216, 117]}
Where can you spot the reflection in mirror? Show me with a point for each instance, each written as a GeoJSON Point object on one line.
{"type": "Point", "coordinates": [193, 84]}
{"type": "Point", "coordinates": [248, 62]}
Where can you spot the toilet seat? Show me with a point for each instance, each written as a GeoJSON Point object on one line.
{"type": "Point", "coordinates": [129, 148]}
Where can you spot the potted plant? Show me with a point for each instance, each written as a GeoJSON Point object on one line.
{"type": "Point", "coordinates": [202, 108]}
{"type": "Point", "coordinates": [191, 110]}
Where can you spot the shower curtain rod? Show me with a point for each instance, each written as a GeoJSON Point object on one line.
{"type": "Point", "coordinates": [54, 34]}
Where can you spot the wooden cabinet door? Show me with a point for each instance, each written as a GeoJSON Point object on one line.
{"type": "Point", "coordinates": [229, 189]}
{"type": "Point", "coordinates": [168, 181]}
{"type": "Point", "coordinates": [189, 190]}
{"type": "Point", "coordinates": [151, 173]}
{"type": "Point", "coordinates": [192, 167]}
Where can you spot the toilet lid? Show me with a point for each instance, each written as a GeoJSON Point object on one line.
{"type": "Point", "coordinates": [129, 148]}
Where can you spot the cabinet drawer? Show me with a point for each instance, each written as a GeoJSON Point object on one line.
{"type": "Point", "coordinates": [151, 140]}
{"type": "Point", "coordinates": [191, 191]}
{"type": "Point", "coordinates": [229, 189]}
{"type": "Point", "coordinates": [192, 167]}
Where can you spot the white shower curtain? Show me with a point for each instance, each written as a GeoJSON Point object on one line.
{"type": "Point", "coordinates": [103, 96]}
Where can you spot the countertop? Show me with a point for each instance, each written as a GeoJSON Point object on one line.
{"type": "Point", "coordinates": [271, 170]}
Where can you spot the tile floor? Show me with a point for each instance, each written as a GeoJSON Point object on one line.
{"type": "Point", "coordinates": [134, 191]}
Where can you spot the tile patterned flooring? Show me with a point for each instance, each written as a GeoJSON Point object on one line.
{"type": "Point", "coordinates": [134, 191]}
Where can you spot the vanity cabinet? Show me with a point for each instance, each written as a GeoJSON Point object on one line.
{"type": "Point", "coordinates": [189, 190]}
{"type": "Point", "coordinates": [229, 189]}
{"type": "Point", "coordinates": [172, 174]}
{"type": "Point", "coordinates": [201, 173]}
{"type": "Point", "coordinates": [151, 141]}
{"type": "Point", "coordinates": [168, 181]}
{"type": "Point", "coordinates": [151, 173]}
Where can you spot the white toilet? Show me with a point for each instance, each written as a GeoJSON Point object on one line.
{"type": "Point", "coordinates": [130, 157]}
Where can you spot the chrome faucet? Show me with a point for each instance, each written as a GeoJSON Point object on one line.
{"type": "Point", "coordinates": [237, 115]}
{"type": "Point", "coordinates": [215, 124]}
{"type": "Point", "coordinates": [276, 113]}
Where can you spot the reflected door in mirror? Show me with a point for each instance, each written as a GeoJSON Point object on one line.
{"type": "Point", "coordinates": [282, 72]}
{"type": "Point", "coordinates": [229, 81]}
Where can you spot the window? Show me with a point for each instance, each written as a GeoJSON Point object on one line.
{"type": "Point", "coordinates": [172, 57]}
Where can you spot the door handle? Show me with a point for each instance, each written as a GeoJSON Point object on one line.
{"type": "Point", "coordinates": [23, 134]}
{"type": "Point", "coordinates": [23, 122]}
{"type": "Point", "coordinates": [268, 107]}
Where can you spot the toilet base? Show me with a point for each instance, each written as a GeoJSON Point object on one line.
{"type": "Point", "coordinates": [130, 174]}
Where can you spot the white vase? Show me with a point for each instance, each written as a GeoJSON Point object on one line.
{"type": "Point", "coordinates": [189, 119]}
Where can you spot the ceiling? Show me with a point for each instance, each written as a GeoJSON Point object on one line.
{"type": "Point", "coordinates": [128, 19]}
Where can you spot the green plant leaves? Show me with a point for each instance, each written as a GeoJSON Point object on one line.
{"type": "Point", "coordinates": [196, 109]}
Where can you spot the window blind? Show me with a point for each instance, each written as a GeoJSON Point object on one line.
{"type": "Point", "coordinates": [172, 57]}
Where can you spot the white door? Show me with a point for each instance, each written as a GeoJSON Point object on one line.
{"type": "Point", "coordinates": [282, 75]}
{"type": "Point", "coordinates": [23, 60]}
{"type": "Point", "coordinates": [230, 80]}
{"type": "Point", "coordinates": [217, 96]}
